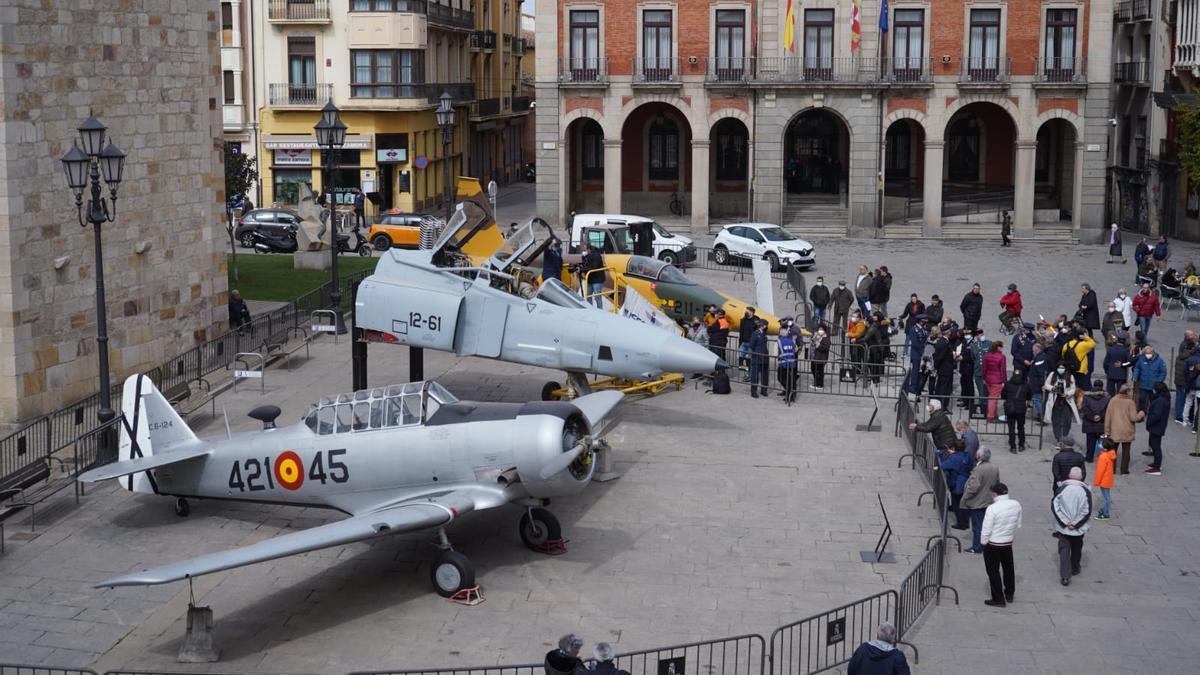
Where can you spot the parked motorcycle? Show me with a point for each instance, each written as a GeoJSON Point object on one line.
{"type": "Point", "coordinates": [360, 246]}
{"type": "Point", "coordinates": [274, 240]}
{"type": "Point", "coordinates": [530, 172]}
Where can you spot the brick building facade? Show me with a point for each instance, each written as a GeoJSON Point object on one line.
{"type": "Point", "coordinates": [964, 109]}
{"type": "Point", "coordinates": [150, 70]}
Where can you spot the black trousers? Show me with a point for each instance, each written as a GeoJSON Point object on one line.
{"type": "Point", "coordinates": [1070, 555]}
{"type": "Point", "coordinates": [787, 379]}
{"type": "Point", "coordinates": [998, 559]}
{"type": "Point", "coordinates": [966, 383]}
{"type": "Point", "coordinates": [1016, 430]}
{"type": "Point", "coordinates": [1091, 439]}
{"type": "Point", "coordinates": [818, 373]}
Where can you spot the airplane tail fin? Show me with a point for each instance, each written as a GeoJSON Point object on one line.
{"type": "Point", "coordinates": [151, 425]}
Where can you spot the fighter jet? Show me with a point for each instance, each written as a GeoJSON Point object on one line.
{"type": "Point", "coordinates": [396, 459]}
{"type": "Point", "coordinates": [452, 299]}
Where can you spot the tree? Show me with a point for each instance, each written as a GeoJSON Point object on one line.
{"type": "Point", "coordinates": [1188, 119]}
{"type": "Point", "coordinates": [240, 177]}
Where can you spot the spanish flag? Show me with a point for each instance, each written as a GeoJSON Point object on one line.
{"type": "Point", "coordinates": [855, 29]}
{"type": "Point", "coordinates": [789, 28]}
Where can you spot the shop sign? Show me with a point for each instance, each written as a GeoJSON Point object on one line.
{"type": "Point", "coordinates": [293, 157]}
{"type": "Point", "coordinates": [392, 155]}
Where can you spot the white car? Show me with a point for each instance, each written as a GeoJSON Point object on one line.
{"type": "Point", "coordinates": [671, 248]}
{"type": "Point", "coordinates": [746, 241]}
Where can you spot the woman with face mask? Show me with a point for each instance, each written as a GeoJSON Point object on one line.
{"type": "Point", "coordinates": [1124, 305]}
{"type": "Point", "coordinates": [1060, 402]}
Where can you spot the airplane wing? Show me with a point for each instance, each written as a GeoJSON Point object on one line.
{"type": "Point", "coordinates": [596, 406]}
{"type": "Point", "coordinates": [403, 517]}
{"type": "Point", "coordinates": [140, 464]}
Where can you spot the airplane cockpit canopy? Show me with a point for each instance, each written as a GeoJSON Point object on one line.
{"type": "Point", "coordinates": [468, 219]}
{"type": "Point", "coordinates": [399, 405]}
{"type": "Point", "coordinates": [656, 270]}
{"type": "Point", "coordinates": [556, 292]}
{"type": "Point", "coordinates": [523, 245]}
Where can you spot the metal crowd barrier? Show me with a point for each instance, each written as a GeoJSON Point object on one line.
{"type": "Point", "coordinates": [739, 655]}
{"type": "Point", "coordinates": [7, 669]}
{"type": "Point", "coordinates": [828, 639]}
{"type": "Point", "coordinates": [841, 376]}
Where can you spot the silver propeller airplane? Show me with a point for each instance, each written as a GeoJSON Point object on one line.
{"type": "Point", "coordinates": [463, 296]}
{"type": "Point", "coordinates": [396, 459]}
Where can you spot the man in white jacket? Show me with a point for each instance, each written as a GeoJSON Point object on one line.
{"type": "Point", "coordinates": [1072, 508]}
{"type": "Point", "coordinates": [1124, 305]}
{"type": "Point", "coordinates": [1000, 523]}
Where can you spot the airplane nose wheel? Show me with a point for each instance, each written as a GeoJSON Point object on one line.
{"type": "Point", "coordinates": [182, 509]}
{"type": "Point", "coordinates": [541, 532]}
{"type": "Point", "coordinates": [452, 573]}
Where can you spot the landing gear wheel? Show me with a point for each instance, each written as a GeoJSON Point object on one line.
{"type": "Point", "coordinates": [550, 391]}
{"type": "Point", "coordinates": [538, 528]}
{"type": "Point", "coordinates": [182, 509]}
{"type": "Point", "coordinates": [451, 572]}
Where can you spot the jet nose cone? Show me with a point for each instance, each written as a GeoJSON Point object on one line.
{"type": "Point", "coordinates": [679, 355]}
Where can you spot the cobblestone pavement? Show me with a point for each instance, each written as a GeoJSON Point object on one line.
{"type": "Point", "coordinates": [733, 515]}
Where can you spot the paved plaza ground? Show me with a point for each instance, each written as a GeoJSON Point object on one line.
{"type": "Point", "coordinates": [732, 516]}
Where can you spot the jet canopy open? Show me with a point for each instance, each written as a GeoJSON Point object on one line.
{"type": "Point", "coordinates": [656, 270]}
{"type": "Point", "coordinates": [399, 405]}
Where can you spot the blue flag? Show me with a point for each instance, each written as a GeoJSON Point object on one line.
{"type": "Point", "coordinates": [883, 17]}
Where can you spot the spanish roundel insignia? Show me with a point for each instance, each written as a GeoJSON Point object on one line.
{"type": "Point", "coordinates": [289, 470]}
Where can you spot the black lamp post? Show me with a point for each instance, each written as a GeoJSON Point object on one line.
{"type": "Point", "coordinates": [445, 122]}
{"type": "Point", "coordinates": [83, 167]}
{"type": "Point", "coordinates": [331, 136]}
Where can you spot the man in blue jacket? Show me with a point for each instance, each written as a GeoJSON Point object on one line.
{"type": "Point", "coordinates": [1022, 348]}
{"type": "Point", "coordinates": [956, 467]}
{"type": "Point", "coordinates": [1116, 364]}
{"type": "Point", "coordinates": [1147, 370]}
{"type": "Point", "coordinates": [879, 656]}
{"type": "Point", "coordinates": [917, 336]}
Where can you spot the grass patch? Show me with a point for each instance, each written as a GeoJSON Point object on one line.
{"type": "Point", "coordinates": [271, 277]}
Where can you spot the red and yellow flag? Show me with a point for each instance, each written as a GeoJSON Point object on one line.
{"type": "Point", "coordinates": [855, 30]}
{"type": "Point", "coordinates": [789, 28]}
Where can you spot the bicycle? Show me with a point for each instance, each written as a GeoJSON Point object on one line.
{"type": "Point", "coordinates": [675, 205]}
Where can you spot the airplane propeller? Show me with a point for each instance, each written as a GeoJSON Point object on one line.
{"type": "Point", "coordinates": [561, 462]}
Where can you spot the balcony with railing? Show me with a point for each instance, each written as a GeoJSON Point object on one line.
{"type": "Point", "coordinates": [521, 104]}
{"type": "Point", "coordinates": [483, 41]}
{"type": "Point", "coordinates": [908, 70]}
{"type": "Point", "coordinates": [728, 70]}
{"type": "Point", "coordinates": [485, 108]}
{"type": "Point", "coordinates": [451, 17]}
{"type": "Point", "coordinates": [586, 71]}
{"type": "Point", "coordinates": [1132, 72]}
{"type": "Point", "coordinates": [984, 72]}
{"type": "Point", "coordinates": [1131, 10]}
{"type": "Point", "coordinates": [661, 71]}
{"type": "Point", "coordinates": [1058, 72]}
{"type": "Point", "coordinates": [298, 11]}
{"type": "Point", "coordinates": [816, 70]}
{"type": "Point", "coordinates": [460, 92]}
{"type": "Point", "coordinates": [518, 46]}
{"type": "Point", "coordinates": [283, 94]}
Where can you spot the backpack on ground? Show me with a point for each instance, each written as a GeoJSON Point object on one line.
{"type": "Point", "coordinates": [720, 382]}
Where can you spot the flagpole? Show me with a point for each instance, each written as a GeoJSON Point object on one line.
{"type": "Point", "coordinates": [882, 131]}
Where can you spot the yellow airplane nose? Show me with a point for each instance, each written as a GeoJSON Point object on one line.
{"type": "Point", "coordinates": [736, 309]}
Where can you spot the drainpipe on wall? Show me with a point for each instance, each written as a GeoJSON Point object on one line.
{"type": "Point", "coordinates": [753, 117]}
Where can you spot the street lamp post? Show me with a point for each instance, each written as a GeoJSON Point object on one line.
{"type": "Point", "coordinates": [84, 167]}
{"type": "Point", "coordinates": [331, 136]}
{"type": "Point", "coordinates": [445, 122]}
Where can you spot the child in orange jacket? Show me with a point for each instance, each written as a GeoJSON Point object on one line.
{"type": "Point", "coordinates": [1104, 475]}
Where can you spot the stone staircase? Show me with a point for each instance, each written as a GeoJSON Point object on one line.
{"type": "Point", "coordinates": [1047, 233]}
{"type": "Point", "coordinates": [815, 216]}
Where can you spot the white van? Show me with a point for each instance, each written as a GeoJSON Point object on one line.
{"type": "Point", "coordinates": [671, 248]}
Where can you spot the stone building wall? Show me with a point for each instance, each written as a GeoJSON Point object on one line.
{"type": "Point", "coordinates": [150, 70]}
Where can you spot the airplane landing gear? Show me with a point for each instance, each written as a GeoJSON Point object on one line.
{"type": "Point", "coordinates": [182, 509]}
{"type": "Point", "coordinates": [541, 532]}
{"type": "Point", "coordinates": [453, 575]}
